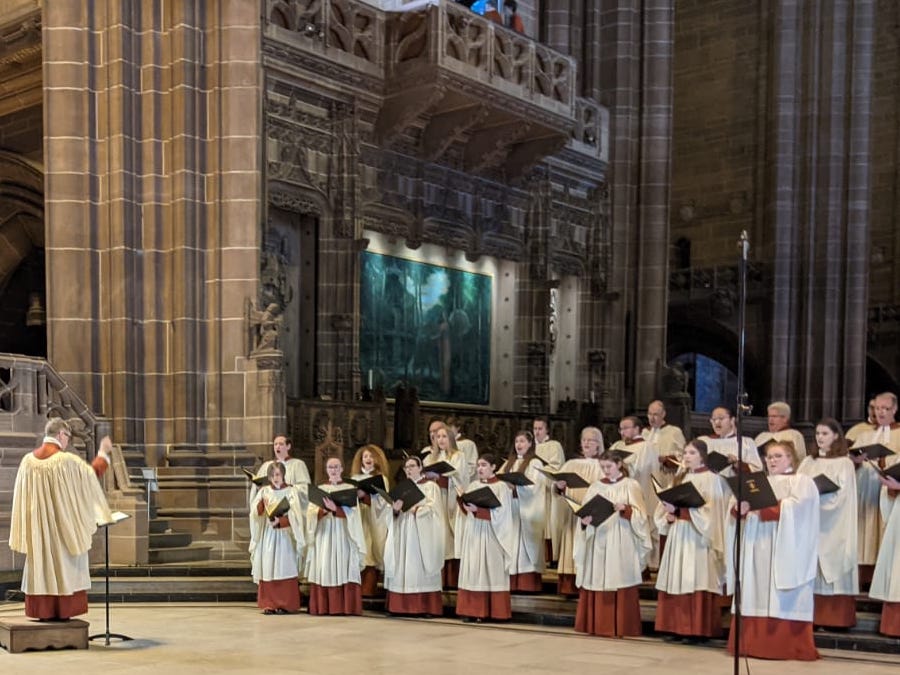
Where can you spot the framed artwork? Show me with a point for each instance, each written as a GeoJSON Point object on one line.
{"type": "Point", "coordinates": [426, 325]}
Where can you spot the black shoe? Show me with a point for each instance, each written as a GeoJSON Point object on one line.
{"type": "Point", "coordinates": [471, 619]}
{"type": "Point", "coordinates": [268, 612]}
{"type": "Point", "coordinates": [673, 638]}
{"type": "Point", "coordinates": [695, 640]}
{"type": "Point", "coordinates": [281, 610]}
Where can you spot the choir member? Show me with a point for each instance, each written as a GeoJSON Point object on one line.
{"type": "Point", "coordinates": [375, 513]}
{"type": "Point", "coordinates": [868, 487]}
{"type": "Point", "coordinates": [837, 574]}
{"type": "Point", "coordinates": [588, 467]}
{"type": "Point", "coordinates": [450, 484]}
{"type": "Point", "coordinates": [642, 461]}
{"type": "Point", "coordinates": [295, 471]}
{"type": "Point", "coordinates": [414, 550]}
{"type": "Point", "coordinates": [488, 547]}
{"type": "Point", "coordinates": [692, 570]}
{"type": "Point", "coordinates": [610, 556]}
{"type": "Point", "coordinates": [778, 416]}
{"type": "Point", "coordinates": [276, 544]}
{"type": "Point", "coordinates": [337, 550]}
{"type": "Point", "coordinates": [433, 425]}
{"type": "Point", "coordinates": [529, 508]}
{"type": "Point", "coordinates": [886, 578]}
{"type": "Point", "coordinates": [551, 453]}
{"type": "Point", "coordinates": [724, 441]}
{"type": "Point", "coordinates": [668, 440]}
{"type": "Point", "coordinates": [466, 445]}
{"type": "Point", "coordinates": [778, 564]}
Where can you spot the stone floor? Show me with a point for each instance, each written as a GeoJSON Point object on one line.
{"type": "Point", "coordinates": [232, 638]}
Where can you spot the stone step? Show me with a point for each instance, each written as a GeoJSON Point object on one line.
{"type": "Point", "coordinates": [209, 524]}
{"type": "Point", "coordinates": [173, 587]}
{"type": "Point", "coordinates": [169, 540]}
{"type": "Point", "coordinates": [180, 554]}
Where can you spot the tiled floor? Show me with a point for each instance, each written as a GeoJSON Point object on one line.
{"type": "Point", "coordinates": [180, 638]}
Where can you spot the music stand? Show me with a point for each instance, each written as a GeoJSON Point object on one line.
{"type": "Point", "coordinates": [118, 517]}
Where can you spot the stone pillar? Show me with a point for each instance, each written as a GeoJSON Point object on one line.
{"type": "Point", "coordinates": [153, 187]}
{"type": "Point", "coordinates": [818, 216]}
{"type": "Point", "coordinates": [631, 73]}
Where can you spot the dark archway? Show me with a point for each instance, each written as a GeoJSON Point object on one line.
{"type": "Point", "coordinates": [689, 335]}
{"type": "Point", "coordinates": [23, 327]}
{"type": "Point", "coordinates": [878, 379]}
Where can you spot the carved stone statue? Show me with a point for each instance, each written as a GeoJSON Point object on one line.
{"type": "Point", "coordinates": [264, 327]}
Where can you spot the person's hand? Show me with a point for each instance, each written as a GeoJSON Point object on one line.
{"type": "Point", "coordinates": [858, 459]}
{"type": "Point", "coordinates": [397, 505]}
{"type": "Point", "coordinates": [670, 518]}
{"type": "Point", "coordinates": [732, 459]}
{"type": "Point", "coordinates": [471, 508]}
{"type": "Point", "coordinates": [889, 482]}
{"type": "Point", "coordinates": [560, 485]}
{"type": "Point", "coordinates": [587, 520]}
{"type": "Point", "coordinates": [274, 523]}
{"type": "Point", "coordinates": [668, 507]}
{"type": "Point", "coordinates": [745, 508]}
{"type": "Point", "coordinates": [431, 475]}
{"type": "Point", "coordinates": [329, 504]}
{"type": "Point", "coordinates": [361, 493]}
{"type": "Point", "coordinates": [620, 506]}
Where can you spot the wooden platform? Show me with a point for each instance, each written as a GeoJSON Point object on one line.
{"type": "Point", "coordinates": [21, 634]}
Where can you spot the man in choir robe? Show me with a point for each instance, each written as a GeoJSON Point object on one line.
{"type": "Point", "coordinates": [553, 456]}
{"type": "Point", "coordinates": [668, 439]}
{"type": "Point", "coordinates": [868, 424]}
{"type": "Point", "coordinates": [57, 505]}
{"type": "Point", "coordinates": [779, 418]}
{"type": "Point", "coordinates": [643, 465]}
{"type": "Point", "coordinates": [295, 472]}
{"type": "Point", "coordinates": [724, 441]}
{"type": "Point", "coordinates": [868, 487]}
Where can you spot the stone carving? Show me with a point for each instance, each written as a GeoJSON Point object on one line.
{"type": "Point", "coordinates": [265, 326]}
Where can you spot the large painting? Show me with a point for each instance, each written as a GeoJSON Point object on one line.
{"type": "Point", "coordinates": [426, 325]}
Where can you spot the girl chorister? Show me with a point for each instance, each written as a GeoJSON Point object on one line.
{"type": "Point", "coordinates": [276, 543]}
{"type": "Point", "coordinates": [374, 512]}
{"type": "Point", "coordinates": [337, 549]}
{"type": "Point", "coordinates": [610, 556]}
{"type": "Point", "coordinates": [488, 546]}
{"type": "Point", "coordinates": [837, 574]}
{"type": "Point", "coordinates": [692, 568]}
{"type": "Point", "coordinates": [529, 506]}
{"type": "Point", "coordinates": [414, 550]}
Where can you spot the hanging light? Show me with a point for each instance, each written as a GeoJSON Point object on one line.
{"type": "Point", "coordinates": [35, 316]}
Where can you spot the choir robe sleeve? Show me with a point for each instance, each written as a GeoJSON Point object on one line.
{"type": "Point", "coordinates": [429, 521]}
{"type": "Point", "coordinates": [533, 509]}
{"type": "Point", "coordinates": [796, 540]}
{"type": "Point", "coordinates": [837, 517]}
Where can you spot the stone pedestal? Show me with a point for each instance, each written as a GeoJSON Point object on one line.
{"type": "Point", "coordinates": [21, 634]}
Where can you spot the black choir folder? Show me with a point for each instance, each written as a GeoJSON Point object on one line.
{"type": "Point", "coordinates": [874, 451]}
{"type": "Point", "coordinates": [598, 507]}
{"type": "Point", "coordinates": [405, 491]}
{"type": "Point", "coordinates": [515, 478]}
{"type": "Point", "coordinates": [369, 485]}
{"type": "Point", "coordinates": [279, 509]}
{"type": "Point", "coordinates": [345, 497]}
{"type": "Point", "coordinates": [483, 498]}
{"type": "Point", "coordinates": [825, 485]}
{"type": "Point", "coordinates": [258, 481]}
{"type": "Point", "coordinates": [683, 495]}
{"type": "Point", "coordinates": [440, 468]}
{"type": "Point", "coordinates": [717, 462]}
{"type": "Point", "coordinates": [572, 480]}
{"type": "Point", "coordinates": [892, 471]}
{"type": "Point", "coordinates": [756, 489]}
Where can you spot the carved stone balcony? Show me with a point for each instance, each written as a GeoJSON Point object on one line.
{"type": "Point", "coordinates": [460, 88]}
